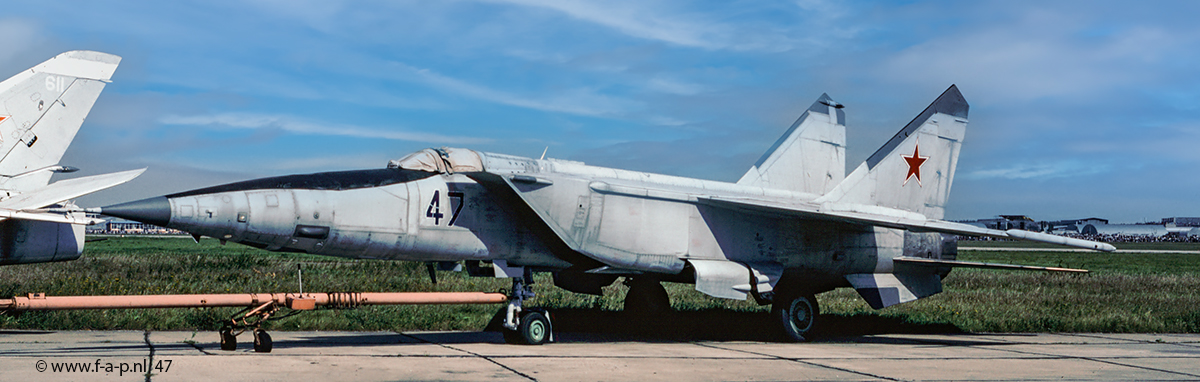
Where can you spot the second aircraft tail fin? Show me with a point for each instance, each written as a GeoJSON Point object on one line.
{"type": "Point", "coordinates": [41, 110]}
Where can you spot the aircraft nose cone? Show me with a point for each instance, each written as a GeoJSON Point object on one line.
{"type": "Point", "coordinates": [156, 211]}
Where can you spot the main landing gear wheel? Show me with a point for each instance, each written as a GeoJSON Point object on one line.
{"type": "Point", "coordinates": [228, 339]}
{"type": "Point", "coordinates": [646, 297]}
{"type": "Point", "coordinates": [797, 316]}
{"type": "Point", "coordinates": [262, 341]}
{"type": "Point", "coordinates": [534, 329]}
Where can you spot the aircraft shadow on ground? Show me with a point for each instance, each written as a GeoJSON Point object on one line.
{"type": "Point", "coordinates": [600, 326]}
{"type": "Point", "coordinates": [720, 325]}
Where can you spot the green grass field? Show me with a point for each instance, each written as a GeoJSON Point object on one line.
{"type": "Point", "coordinates": [1124, 293]}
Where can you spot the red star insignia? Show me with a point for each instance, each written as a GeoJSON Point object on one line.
{"type": "Point", "coordinates": [3, 117]}
{"type": "Point", "coordinates": [914, 164]}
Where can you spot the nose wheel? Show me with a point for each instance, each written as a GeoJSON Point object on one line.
{"type": "Point", "coordinates": [525, 326]}
{"type": "Point", "coordinates": [534, 329]}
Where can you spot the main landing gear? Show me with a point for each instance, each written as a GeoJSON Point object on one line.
{"type": "Point", "coordinates": [525, 326]}
{"type": "Point", "coordinates": [796, 315]}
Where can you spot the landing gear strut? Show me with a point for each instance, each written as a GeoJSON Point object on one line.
{"type": "Point", "coordinates": [525, 326]}
{"type": "Point", "coordinates": [796, 315]}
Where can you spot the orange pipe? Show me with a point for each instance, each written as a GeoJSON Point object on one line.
{"type": "Point", "coordinates": [41, 302]}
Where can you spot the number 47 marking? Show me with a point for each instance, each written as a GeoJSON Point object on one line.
{"type": "Point", "coordinates": [435, 208]}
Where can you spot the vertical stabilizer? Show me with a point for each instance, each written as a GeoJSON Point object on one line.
{"type": "Point", "coordinates": [810, 157]}
{"type": "Point", "coordinates": [913, 170]}
{"type": "Point", "coordinates": [41, 110]}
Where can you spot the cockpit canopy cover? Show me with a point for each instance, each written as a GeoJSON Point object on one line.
{"type": "Point", "coordinates": [440, 160]}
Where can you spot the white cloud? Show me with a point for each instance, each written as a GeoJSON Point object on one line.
{"type": "Point", "coordinates": [709, 30]}
{"type": "Point", "coordinates": [1038, 55]}
{"type": "Point", "coordinates": [325, 162]}
{"type": "Point", "coordinates": [636, 21]}
{"type": "Point", "coordinates": [666, 121]}
{"type": "Point", "coordinates": [320, 15]}
{"type": "Point", "coordinates": [299, 126]}
{"type": "Point", "coordinates": [581, 101]}
{"type": "Point", "coordinates": [669, 86]}
{"type": "Point", "coordinates": [1047, 170]}
{"type": "Point", "coordinates": [1170, 145]}
{"type": "Point", "coordinates": [18, 38]}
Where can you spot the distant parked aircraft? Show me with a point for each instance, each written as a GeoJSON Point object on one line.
{"type": "Point", "coordinates": [41, 109]}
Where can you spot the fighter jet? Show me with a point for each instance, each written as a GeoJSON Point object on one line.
{"type": "Point", "coordinates": [41, 109]}
{"type": "Point", "coordinates": [794, 226]}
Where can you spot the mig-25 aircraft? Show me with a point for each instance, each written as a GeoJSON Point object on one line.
{"type": "Point", "coordinates": [795, 225]}
{"type": "Point", "coordinates": [41, 109]}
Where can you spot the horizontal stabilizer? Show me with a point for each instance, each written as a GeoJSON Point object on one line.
{"type": "Point", "coordinates": [67, 189]}
{"type": "Point", "coordinates": [968, 264]}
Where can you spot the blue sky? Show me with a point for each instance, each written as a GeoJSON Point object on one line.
{"type": "Point", "coordinates": [1078, 108]}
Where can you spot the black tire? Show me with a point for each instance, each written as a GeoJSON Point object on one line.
{"type": "Point", "coordinates": [796, 317]}
{"type": "Point", "coordinates": [228, 340]}
{"type": "Point", "coordinates": [646, 297]}
{"type": "Point", "coordinates": [262, 341]}
{"type": "Point", "coordinates": [534, 329]}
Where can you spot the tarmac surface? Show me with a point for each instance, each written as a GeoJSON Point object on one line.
{"type": "Point", "coordinates": [588, 356]}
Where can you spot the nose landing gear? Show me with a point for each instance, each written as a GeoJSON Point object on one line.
{"type": "Point", "coordinates": [525, 326]}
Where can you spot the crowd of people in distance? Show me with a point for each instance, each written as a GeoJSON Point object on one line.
{"type": "Point", "coordinates": [1110, 238]}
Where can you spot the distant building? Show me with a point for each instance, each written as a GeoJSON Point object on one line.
{"type": "Point", "coordinates": [1153, 230]}
{"type": "Point", "coordinates": [1182, 222]}
{"type": "Point", "coordinates": [127, 227]}
{"type": "Point", "coordinates": [1170, 229]}
{"type": "Point", "coordinates": [1006, 222]}
{"type": "Point", "coordinates": [1074, 225]}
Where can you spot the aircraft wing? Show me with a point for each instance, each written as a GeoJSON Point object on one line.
{"type": "Point", "coordinates": [891, 218]}
{"type": "Point", "coordinates": [17, 206]}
